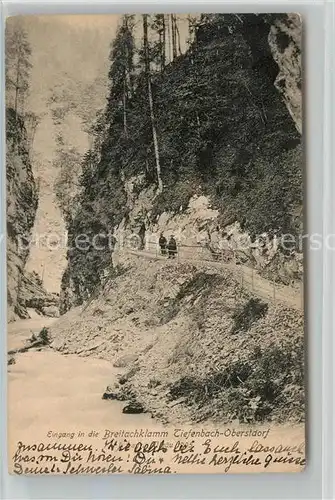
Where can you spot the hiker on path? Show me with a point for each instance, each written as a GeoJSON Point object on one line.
{"type": "Point", "coordinates": [162, 243]}
{"type": "Point", "coordinates": [141, 234]}
{"type": "Point", "coordinates": [172, 247]}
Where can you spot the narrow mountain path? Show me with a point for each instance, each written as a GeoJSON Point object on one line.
{"type": "Point", "coordinates": [248, 277]}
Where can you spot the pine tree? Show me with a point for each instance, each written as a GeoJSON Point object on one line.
{"type": "Point", "coordinates": [159, 48]}
{"type": "Point", "coordinates": [192, 28]}
{"type": "Point", "coordinates": [177, 35]}
{"type": "Point", "coordinates": [17, 66]}
{"type": "Point", "coordinates": [121, 73]}
{"type": "Point", "coordinates": [163, 42]}
{"type": "Point", "coordinates": [174, 44]}
{"type": "Point", "coordinates": [169, 32]}
{"type": "Point", "coordinates": [174, 36]}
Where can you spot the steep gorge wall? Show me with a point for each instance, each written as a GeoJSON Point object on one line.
{"type": "Point", "coordinates": [22, 200]}
{"type": "Point", "coordinates": [24, 289]}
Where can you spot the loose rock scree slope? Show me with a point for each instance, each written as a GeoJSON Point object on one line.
{"type": "Point", "coordinates": [191, 343]}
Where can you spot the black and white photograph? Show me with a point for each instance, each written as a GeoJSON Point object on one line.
{"type": "Point", "coordinates": [155, 236]}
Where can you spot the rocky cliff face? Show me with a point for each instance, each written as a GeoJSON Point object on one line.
{"type": "Point", "coordinates": [33, 295]}
{"type": "Point", "coordinates": [200, 236]}
{"type": "Point", "coordinates": [22, 200]}
{"type": "Point", "coordinates": [285, 42]}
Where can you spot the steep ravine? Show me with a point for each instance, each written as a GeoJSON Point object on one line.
{"type": "Point", "coordinates": [22, 199]}
{"type": "Point", "coordinates": [24, 289]}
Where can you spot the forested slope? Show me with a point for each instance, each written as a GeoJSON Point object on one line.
{"type": "Point", "coordinates": [210, 122]}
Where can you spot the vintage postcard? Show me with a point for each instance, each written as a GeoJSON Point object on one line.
{"type": "Point", "coordinates": [154, 244]}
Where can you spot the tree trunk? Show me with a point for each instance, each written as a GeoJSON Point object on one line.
{"type": "Point", "coordinates": [174, 38]}
{"type": "Point", "coordinates": [178, 37]}
{"type": "Point", "coordinates": [151, 105]}
{"type": "Point", "coordinates": [169, 38]}
{"type": "Point", "coordinates": [163, 43]}
{"type": "Point", "coordinates": [154, 136]}
{"type": "Point", "coordinates": [127, 72]}
{"type": "Point", "coordinates": [17, 86]}
{"type": "Point", "coordinates": [125, 106]}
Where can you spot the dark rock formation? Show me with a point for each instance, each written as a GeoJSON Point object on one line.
{"type": "Point", "coordinates": [133, 407]}
{"type": "Point", "coordinates": [110, 395]}
{"type": "Point", "coordinates": [118, 393]}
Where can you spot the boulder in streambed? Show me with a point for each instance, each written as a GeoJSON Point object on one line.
{"type": "Point", "coordinates": [133, 407]}
{"type": "Point", "coordinates": [110, 395]}
{"type": "Point", "coordinates": [116, 394]}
